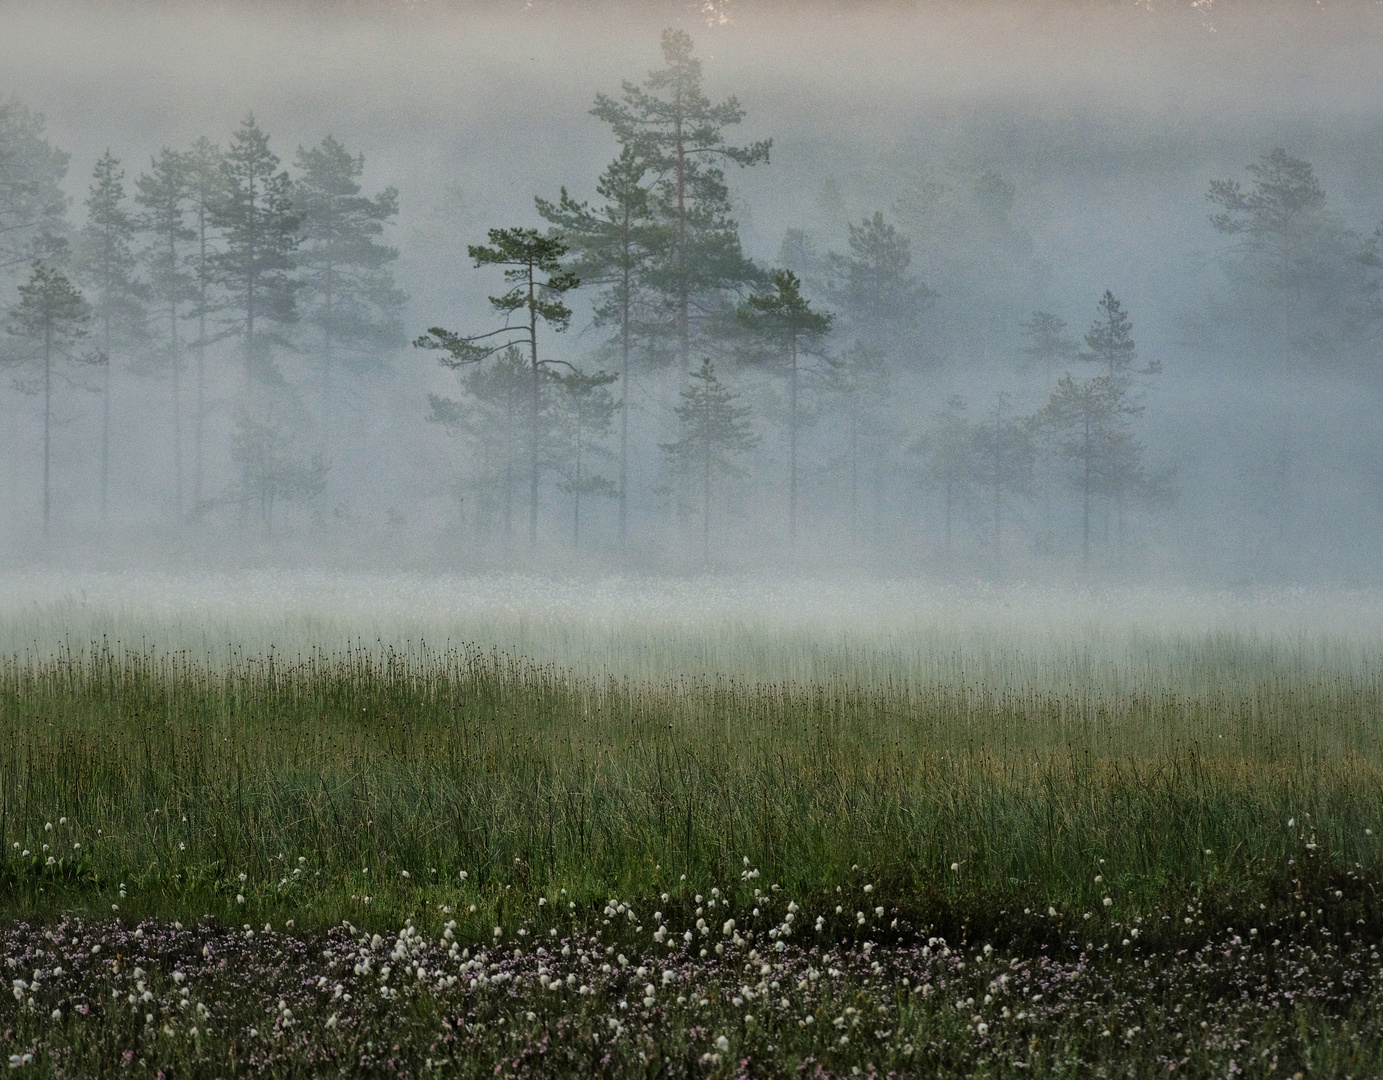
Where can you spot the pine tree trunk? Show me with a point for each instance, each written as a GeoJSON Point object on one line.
{"type": "Point", "coordinates": [683, 293]}
{"type": "Point", "coordinates": [177, 411]}
{"type": "Point", "coordinates": [533, 407]}
{"type": "Point", "coordinates": [624, 402]}
{"type": "Point", "coordinates": [47, 420]}
{"type": "Point", "coordinates": [105, 420]}
{"type": "Point", "coordinates": [792, 447]}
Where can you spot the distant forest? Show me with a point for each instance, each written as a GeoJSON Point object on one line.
{"type": "Point", "coordinates": [642, 392]}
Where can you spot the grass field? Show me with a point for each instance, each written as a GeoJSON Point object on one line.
{"type": "Point", "coordinates": [959, 840]}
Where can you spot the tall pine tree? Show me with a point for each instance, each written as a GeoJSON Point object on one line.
{"type": "Point", "coordinates": [49, 322]}
{"type": "Point", "coordinates": [106, 263]}
{"type": "Point", "coordinates": [716, 433]}
{"type": "Point", "coordinates": [206, 180]}
{"type": "Point", "coordinates": [349, 293]}
{"type": "Point", "coordinates": [788, 331]}
{"type": "Point", "coordinates": [33, 209]}
{"type": "Point", "coordinates": [164, 195]}
{"type": "Point", "coordinates": [873, 286]}
{"type": "Point", "coordinates": [678, 133]}
{"type": "Point", "coordinates": [615, 246]}
{"type": "Point", "coordinates": [533, 268]}
{"type": "Point", "coordinates": [259, 227]}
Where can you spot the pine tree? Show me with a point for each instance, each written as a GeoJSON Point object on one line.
{"type": "Point", "coordinates": [49, 322]}
{"type": "Point", "coordinates": [584, 411]}
{"type": "Point", "coordinates": [872, 285]}
{"type": "Point", "coordinates": [273, 467]}
{"type": "Point", "coordinates": [526, 256]}
{"type": "Point", "coordinates": [1287, 235]}
{"type": "Point", "coordinates": [491, 419]}
{"type": "Point", "coordinates": [1005, 452]}
{"type": "Point", "coordinates": [106, 264]}
{"type": "Point", "coordinates": [950, 460]}
{"type": "Point", "coordinates": [860, 382]}
{"type": "Point", "coordinates": [715, 433]}
{"type": "Point", "coordinates": [1046, 344]}
{"type": "Point", "coordinates": [788, 331]}
{"type": "Point", "coordinates": [680, 137]}
{"type": "Point", "coordinates": [206, 178]}
{"type": "Point", "coordinates": [345, 271]}
{"type": "Point", "coordinates": [615, 246]}
{"type": "Point", "coordinates": [33, 208]}
{"type": "Point", "coordinates": [164, 195]}
{"type": "Point", "coordinates": [1109, 341]}
{"type": "Point", "coordinates": [259, 225]}
{"type": "Point", "coordinates": [1092, 420]}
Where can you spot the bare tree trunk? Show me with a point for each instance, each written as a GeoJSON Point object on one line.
{"type": "Point", "coordinates": [624, 402]}
{"type": "Point", "coordinates": [533, 407]}
{"type": "Point", "coordinates": [47, 422]}
{"type": "Point", "coordinates": [105, 420]}
{"type": "Point", "coordinates": [792, 449]}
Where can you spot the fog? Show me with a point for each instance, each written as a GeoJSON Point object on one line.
{"type": "Point", "coordinates": [1032, 156]}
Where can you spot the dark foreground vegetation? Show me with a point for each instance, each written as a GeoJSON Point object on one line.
{"type": "Point", "coordinates": [383, 865]}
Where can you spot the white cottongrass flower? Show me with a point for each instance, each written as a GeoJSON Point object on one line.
{"type": "Point", "coordinates": [722, 1044]}
{"type": "Point", "coordinates": [1108, 902]}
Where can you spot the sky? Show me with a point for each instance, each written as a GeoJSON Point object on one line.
{"type": "Point", "coordinates": [1108, 119]}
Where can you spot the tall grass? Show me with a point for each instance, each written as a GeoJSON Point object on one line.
{"type": "Point", "coordinates": [963, 798]}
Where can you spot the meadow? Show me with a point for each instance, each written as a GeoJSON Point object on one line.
{"type": "Point", "coordinates": [504, 827]}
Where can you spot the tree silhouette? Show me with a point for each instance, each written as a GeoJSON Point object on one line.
{"type": "Point", "coordinates": [715, 433]}
{"type": "Point", "coordinates": [206, 181]}
{"type": "Point", "coordinates": [33, 208]}
{"type": "Point", "coordinates": [490, 417]}
{"type": "Point", "coordinates": [950, 460]}
{"type": "Point", "coordinates": [343, 268]}
{"type": "Point", "coordinates": [615, 246]}
{"type": "Point", "coordinates": [259, 225]}
{"type": "Point", "coordinates": [165, 197]}
{"type": "Point", "coordinates": [106, 263]}
{"type": "Point", "coordinates": [788, 330]}
{"type": "Point", "coordinates": [1280, 219]}
{"type": "Point", "coordinates": [584, 411]}
{"type": "Point", "coordinates": [49, 322]}
{"type": "Point", "coordinates": [679, 136]}
{"type": "Point", "coordinates": [526, 256]}
{"type": "Point", "coordinates": [872, 286]}
{"type": "Point", "coordinates": [1045, 344]}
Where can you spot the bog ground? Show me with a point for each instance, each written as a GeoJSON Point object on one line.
{"type": "Point", "coordinates": [983, 835]}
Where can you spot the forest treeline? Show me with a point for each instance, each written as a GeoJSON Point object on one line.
{"type": "Point", "coordinates": [733, 401]}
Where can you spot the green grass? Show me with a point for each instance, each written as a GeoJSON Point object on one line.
{"type": "Point", "coordinates": [324, 780]}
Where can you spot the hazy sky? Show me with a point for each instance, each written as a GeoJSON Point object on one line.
{"type": "Point", "coordinates": [1109, 118]}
